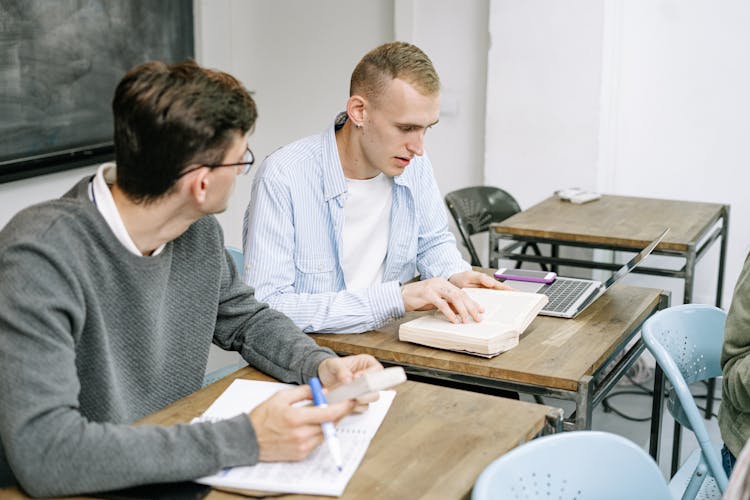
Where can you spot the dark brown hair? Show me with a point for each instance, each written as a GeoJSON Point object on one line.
{"type": "Point", "coordinates": [169, 116]}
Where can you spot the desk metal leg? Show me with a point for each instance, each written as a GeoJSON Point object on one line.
{"type": "Point", "coordinates": [493, 256]}
{"type": "Point", "coordinates": [719, 291]}
{"type": "Point", "coordinates": [710, 387]}
{"type": "Point", "coordinates": [687, 297]}
{"type": "Point", "coordinates": [553, 422]}
{"type": "Point", "coordinates": [584, 408]}
{"type": "Point", "coordinates": [676, 445]}
{"type": "Point", "coordinates": [555, 253]}
{"type": "Point", "coordinates": [722, 256]}
{"type": "Point", "coordinates": [656, 413]}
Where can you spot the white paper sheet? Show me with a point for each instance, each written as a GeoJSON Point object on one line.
{"type": "Point", "coordinates": [316, 475]}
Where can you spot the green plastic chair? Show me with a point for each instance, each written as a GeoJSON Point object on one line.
{"type": "Point", "coordinates": [475, 208]}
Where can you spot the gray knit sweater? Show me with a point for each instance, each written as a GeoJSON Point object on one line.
{"type": "Point", "coordinates": [93, 338]}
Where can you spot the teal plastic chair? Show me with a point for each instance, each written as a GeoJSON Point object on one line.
{"type": "Point", "coordinates": [238, 258]}
{"type": "Point", "coordinates": [578, 464]}
{"type": "Point", "coordinates": [211, 377]}
{"type": "Point", "coordinates": [686, 341]}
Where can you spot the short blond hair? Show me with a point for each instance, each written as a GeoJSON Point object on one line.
{"type": "Point", "coordinates": [394, 60]}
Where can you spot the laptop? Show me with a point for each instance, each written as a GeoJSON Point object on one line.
{"type": "Point", "coordinates": [568, 297]}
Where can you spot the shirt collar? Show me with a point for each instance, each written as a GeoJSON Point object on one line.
{"type": "Point", "coordinates": [334, 183]}
{"type": "Point", "coordinates": [101, 195]}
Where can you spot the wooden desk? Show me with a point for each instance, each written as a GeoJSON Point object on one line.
{"type": "Point", "coordinates": [563, 358]}
{"type": "Point", "coordinates": [621, 223]}
{"type": "Point", "coordinates": [433, 443]}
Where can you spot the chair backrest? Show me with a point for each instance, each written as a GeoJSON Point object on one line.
{"type": "Point", "coordinates": [686, 341]}
{"type": "Point", "coordinates": [475, 208]}
{"type": "Point", "coordinates": [578, 464]}
{"type": "Point", "coordinates": [238, 258]}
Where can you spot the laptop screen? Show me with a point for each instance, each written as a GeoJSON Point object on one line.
{"type": "Point", "coordinates": [629, 265]}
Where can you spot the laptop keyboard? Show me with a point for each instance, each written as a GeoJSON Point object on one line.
{"type": "Point", "coordinates": [562, 293]}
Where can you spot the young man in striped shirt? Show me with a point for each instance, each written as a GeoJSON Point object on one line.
{"type": "Point", "coordinates": [341, 222]}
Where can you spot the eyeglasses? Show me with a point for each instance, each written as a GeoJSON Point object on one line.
{"type": "Point", "coordinates": [247, 161]}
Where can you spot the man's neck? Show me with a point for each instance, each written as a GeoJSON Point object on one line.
{"type": "Point", "coordinates": [350, 154]}
{"type": "Point", "coordinates": [154, 224]}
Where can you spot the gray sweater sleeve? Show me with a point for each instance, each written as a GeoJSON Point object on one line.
{"type": "Point", "coordinates": [267, 339]}
{"type": "Point", "coordinates": [50, 446]}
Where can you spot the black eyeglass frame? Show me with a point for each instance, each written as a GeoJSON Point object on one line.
{"type": "Point", "coordinates": [245, 170]}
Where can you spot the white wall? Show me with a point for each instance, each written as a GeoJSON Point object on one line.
{"type": "Point", "coordinates": [456, 40]}
{"type": "Point", "coordinates": [19, 194]}
{"type": "Point", "coordinates": [543, 76]}
{"type": "Point", "coordinates": [637, 97]}
{"type": "Point", "coordinates": [679, 127]}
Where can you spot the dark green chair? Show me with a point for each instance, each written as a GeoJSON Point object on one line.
{"type": "Point", "coordinates": [475, 208]}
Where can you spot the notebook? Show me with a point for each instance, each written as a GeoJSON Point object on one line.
{"type": "Point", "coordinates": [315, 475]}
{"type": "Point", "coordinates": [568, 297]}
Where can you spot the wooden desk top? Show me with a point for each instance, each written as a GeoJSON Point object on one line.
{"type": "Point", "coordinates": [553, 352]}
{"type": "Point", "coordinates": [433, 443]}
{"type": "Point", "coordinates": [623, 221]}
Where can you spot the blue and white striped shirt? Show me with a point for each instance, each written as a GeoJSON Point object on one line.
{"type": "Point", "coordinates": [292, 239]}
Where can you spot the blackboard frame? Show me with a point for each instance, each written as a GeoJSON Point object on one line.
{"type": "Point", "coordinates": [21, 18]}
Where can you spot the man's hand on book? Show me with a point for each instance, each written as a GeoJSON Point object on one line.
{"type": "Point", "coordinates": [474, 279]}
{"type": "Point", "coordinates": [441, 294]}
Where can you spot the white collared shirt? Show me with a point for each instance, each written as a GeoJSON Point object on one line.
{"type": "Point", "coordinates": [101, 195]}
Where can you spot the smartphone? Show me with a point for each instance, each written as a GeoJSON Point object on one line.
{"type": "Point", "coordinates": [367, 383]}
{"type": "Point", "coordinates": [525, 275]}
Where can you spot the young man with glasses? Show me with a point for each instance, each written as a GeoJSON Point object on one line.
{"type": "Point", "coordinates": [112, 295]}
{"type": "Point", "coordinates": [339, 223]}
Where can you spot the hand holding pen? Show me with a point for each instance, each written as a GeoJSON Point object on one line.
{"type": "Point", "coordinates": [287, 431]}
{"type": "Point", "coordinates": [329, 431]}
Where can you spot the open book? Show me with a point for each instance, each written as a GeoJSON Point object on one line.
{"type": "Point", "coordinates": [507, 314]}
{"type": "Point", "coordinates": [317, 474]}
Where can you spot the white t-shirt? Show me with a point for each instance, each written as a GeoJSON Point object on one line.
{"type": "Point", "coordinates": [367, 225]}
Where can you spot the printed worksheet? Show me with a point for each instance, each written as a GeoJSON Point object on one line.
{"type": "Point", "coordinates": [316, 475]}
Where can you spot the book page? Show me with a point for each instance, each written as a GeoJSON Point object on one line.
{"type": "Point", "coordinates": [317, 474]}
{"type": "Point", "coordinates": [506, 315]}
{"type": "Point", "coordinates": [501, 308]}
{"type": "Point", "coordinates": [484, 330]}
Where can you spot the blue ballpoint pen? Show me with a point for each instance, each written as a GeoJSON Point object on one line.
{"type": "Point", "coordinates": [329, 431]}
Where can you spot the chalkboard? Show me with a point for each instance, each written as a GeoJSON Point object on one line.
{"type": "Point", "coordinates": [59, 64]}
